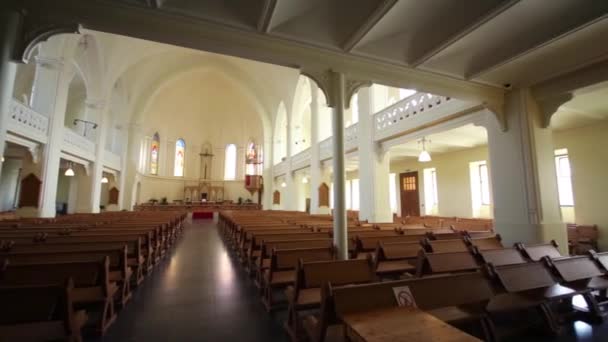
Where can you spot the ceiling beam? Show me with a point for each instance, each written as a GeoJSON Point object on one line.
{"type": "Point", "coordinates": [266, 15]}
{"type": "Point", "coordinates": [371, 21]}
{"type": "Point", "coordinates": [495, 12]}
{"type": "Point", "coordinates": [522, 53]}
{"type": "Point", "coordinates": [195, 33]}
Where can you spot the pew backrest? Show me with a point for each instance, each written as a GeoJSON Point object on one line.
{"type": "Point", "coordinates": [537, 252]}
{"type": "Point", "coordinates": [501, 257]}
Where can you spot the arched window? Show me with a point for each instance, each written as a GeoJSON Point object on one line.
{"type": "Point", "coordinates": [230, 163]}
{"type": "Point", "coordinates": [180, 155]}
{"type": "Point", "coordinates": [154, 154]}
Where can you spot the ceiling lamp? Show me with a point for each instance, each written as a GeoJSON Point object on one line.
{"type": "Point", "coordinates": [69, 172]}
{"type": "Point", "coordinates": [283, 184]}
{"type": "Point", "coordinates": [305, 180]}
{"type": "Point", "coordinates": [424, 156]}
{"type": "Point", "coordinates": [104, 180]}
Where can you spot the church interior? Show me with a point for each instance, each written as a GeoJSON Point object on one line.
{"type": "Point", "coordinates": [303, 171]}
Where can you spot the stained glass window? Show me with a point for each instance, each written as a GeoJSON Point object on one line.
{"type": "Point", "coordinates": [154, 154]}
{"type": "Point", "coordinates": [180, 153]}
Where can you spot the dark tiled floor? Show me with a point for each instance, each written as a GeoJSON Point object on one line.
{"type": "Point", "coordinates": [198, 294]}
{"type": "Point", "coordinates": [201, 294]}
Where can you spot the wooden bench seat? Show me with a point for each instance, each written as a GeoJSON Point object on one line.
{"type": "Point", "coordinates": [368, 244]}
{"type": "Point", "coordinates": [263, 262]}
{"type": "Point", "coordinates": [583, 275]}
{"type": "Point", "coordinates": [537, 252]}
{"type": "Point", "coordinates": [464, 303]}
{"type": "Point", "coordinates": [40, 313]}
{"type": "Point", "coordinates": [438, 263]}
{"type": "Point", "coordinates": [445, 246]}
{"type": "Point", "coordinates": [312, 276]}
{"type": "Point", "coordinates": [500, 257]}
{"type": "Point", "coordinates": [527, 286]}
{"type": "Point", "coordinates": [119, 271]}
{"type": "Point", "coordinates": [483, 243]}
{"type": "Point", "coordinates": [282, 270]}
{"type": "Point", "coordinates": [393, 259]}
{"type": "Point", "coordinates": [93, 287]}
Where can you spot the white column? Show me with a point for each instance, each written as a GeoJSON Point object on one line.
{"type": "Point", "coordinates": [374, 166]}
{"type": "Point", "coordinates": [522, 170]}
{"type": "Point", "coordinates": [339, 174]}
{"type": "Point", "coordinates": [9, 22]}
{"type": "Point", "coordinates": [130, 166]}
{"type": "Point", "coordinates": [289, 192]}
{"type": "Point", "coordinates": [267, 173]}
{"type": "Point", "coordinates": [315, 162]}
{"type": "Point", "coordinates": [51, 99]}
{"type": "Point", "coordinates": [96, 109]}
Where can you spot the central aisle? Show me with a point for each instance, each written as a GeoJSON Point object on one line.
{"type": "Point", "coordinates": [197, 294]}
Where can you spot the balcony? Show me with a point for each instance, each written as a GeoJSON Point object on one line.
{"type": "Point", "coordinates": [78, 145]}
{"type": "Point", "coordinates": [301, 160]}
{"type": "Point", "coordinates": [413, 112]}
{"type": "Point", "coordinates": [112, 160]}
{"type": "Point", "coordinates": [280, 168]}
{"type": "Point", "coordinates": [26, 122]}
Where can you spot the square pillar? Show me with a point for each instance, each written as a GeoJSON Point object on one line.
{"type": "Point", "coordinates": [374, 166]}
{"type": "Point", "coordinates": [9, 23]}
{"type": "Point", "coordinates": [524, 183]}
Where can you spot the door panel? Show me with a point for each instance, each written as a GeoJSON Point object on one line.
{"type": "Point", "coordinates": [410, 200]}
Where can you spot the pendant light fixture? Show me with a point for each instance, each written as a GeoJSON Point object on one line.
{"type": "Point", "coordinates": [69, 172]}
{"type": "Point", "coordinates": [104, 180]}
{"type": "Point", "coordinates": [283, 184]}
{"type": "Point", "coordinates": [305, 180]}
{"type": "Point", "coordinates": [424, 155]}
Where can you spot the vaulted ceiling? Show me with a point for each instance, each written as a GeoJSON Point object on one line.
{"type": "Point", "coordinates": [496, 42]}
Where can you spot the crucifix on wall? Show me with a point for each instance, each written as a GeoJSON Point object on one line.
{"type": "Point", "coordinates": [206, 158]}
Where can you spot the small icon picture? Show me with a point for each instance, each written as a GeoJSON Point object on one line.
{"type": "Point", "coordinates": [404, 296]}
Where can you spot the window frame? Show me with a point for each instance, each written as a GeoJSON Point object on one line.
{"type": "Point", "coordinates": [559, 178]}
{"type": "Point", "coordinates": [230, 171]}
{"type": "Point", "coordinates": [183, 166]}
{"type": "Point", "coordinates": [482, 168]}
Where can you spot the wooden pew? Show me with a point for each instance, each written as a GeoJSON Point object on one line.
{"type": "Point", "coordinates": [445, 246]}
{"type": "Point", "coordinates": [40, 313]}
{"type": "Point", "coordinates": [500, 257]}
{"type": "Point", "coordinates": [537, 252]}
{"type": "Point", "coordinates": [136, 255]}
{"type": "Point", "coordinates": [438, 263]}
{"type": "Point", "coordinates": [312, 276]}
{"type": "Point", "coordinates": [253, 252]}
{"type": "Point", "coordinates": [120, 272]}
{"type": "Point", "coordinates": [396, 258]}
{"type": "Point", "coordinates": [526, 286]}
{"type": "Point", "coordinates": [93, 287]}
{"type": "Point", "coordinates": [583, 275]}
{"type": "Point", "coordinates": [463, 303]}
{"type": "Point", "coordinates": [281, 272]}
{"type": "Point", "coordinates": [368, 244]}
{"type": "Point", "coordinates": [263, 262]}
{"type": "Point", "coordinates": [493, 242]}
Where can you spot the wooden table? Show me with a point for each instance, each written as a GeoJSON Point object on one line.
{"type": "Point", "coordinates": [401, 324]}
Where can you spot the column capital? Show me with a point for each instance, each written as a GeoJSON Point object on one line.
{"type": "Point", "coordinates": [327, 80]}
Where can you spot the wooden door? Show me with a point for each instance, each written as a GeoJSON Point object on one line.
{"type": "Point", "coordinates": [410, 200]}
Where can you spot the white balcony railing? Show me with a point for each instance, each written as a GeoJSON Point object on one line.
{"type": "Point", "coordinates": [26, 122]}
{"type": "Point", "coordinates": [112, 160]}
{"type": "Point", "coordinates": [351, 137]}
{"type": "Point", "coordinates": [301, 160]}
{"type": "Point", "coordinates": [78, 145]}
{"type": "Point", "coordinates": [280, 168]}
{"type": "Point", "coordinates": [325, 148]}
{"type": "Point", "coordinates": [408, 113]}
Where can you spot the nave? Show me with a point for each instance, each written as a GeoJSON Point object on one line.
{"type": "Point", "coordinates": [197, 294]}
{"type": "Point", "coordinates": [201, 293]}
